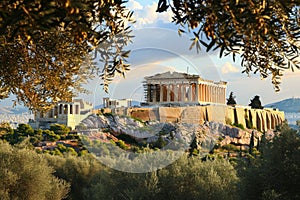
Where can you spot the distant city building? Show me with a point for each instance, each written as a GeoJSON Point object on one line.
{"type": "Point", "coordinates": [183, 88]}
{"type": "Point", "coordinates": [67, 113]}
{"type": "Point", "coordinates": [116, 103]}
{"type": "Point", "coordinates": [15, 119]}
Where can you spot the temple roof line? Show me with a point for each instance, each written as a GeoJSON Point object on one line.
{"type": "Point", "coordinates": [180, 76]}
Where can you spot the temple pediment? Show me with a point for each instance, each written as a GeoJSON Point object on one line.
{"type": "Point", "coordinates": [172, 75]}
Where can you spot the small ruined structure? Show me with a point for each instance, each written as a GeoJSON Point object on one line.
{"type": "Point", "coordinates": [67, 113]}
{"type": "Point", "coordinates": [183, 88]}
{"type": "Point", "coordinates": [116, 103]}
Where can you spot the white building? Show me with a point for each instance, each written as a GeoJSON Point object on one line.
{"type": "Point", "coordinates": [175, 87]}
{"type": "Point", "coordinates": [67, 113]}
{"type": "Point", "coordinates": [116, 103]}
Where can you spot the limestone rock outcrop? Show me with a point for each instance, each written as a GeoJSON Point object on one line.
{"type": "Point", "coordinates": [205, 135]}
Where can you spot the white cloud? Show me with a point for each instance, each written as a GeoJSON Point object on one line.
{"type": "Point", "coordinates": [157, 48]}
{"type": "Point", "coordinates": [134, 5]}
{"type": "Point", "coordinates": [229, 68]}
{"type": "Point", "coordinates": [147, 15]}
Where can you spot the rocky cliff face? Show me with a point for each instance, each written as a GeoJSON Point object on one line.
{"type": "Point", "coordinates": [174, 135]}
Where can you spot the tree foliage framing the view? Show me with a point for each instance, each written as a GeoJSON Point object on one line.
{"type": "Point", "coordinates": [266, 33]}
{"type": "Point", "coordinates": [46, 47]}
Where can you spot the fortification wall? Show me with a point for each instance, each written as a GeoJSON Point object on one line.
{"type": "Point", "coordinates": [145, 114]}
{"type": "Point", "coordinates": [216, 113]}
{"type": "Point", "coordinates": [260, 119]}
{"type": "Point", "coordinates": [170, 114]}
{"type": "Point", "coordinates": [229, 115]}
{"type": "Point", "coordinates": [193, 115]}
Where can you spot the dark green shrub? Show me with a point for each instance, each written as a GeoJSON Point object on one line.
{"type": "Point", "coordinates": [249, 124]}
{"type": "Point", "coordinates": [122, 144]}
{"type": "Point", "coordinates": [241, 126]}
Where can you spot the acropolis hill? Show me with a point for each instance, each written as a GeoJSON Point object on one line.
{"type": "Point", "coordinates": [184, 98]}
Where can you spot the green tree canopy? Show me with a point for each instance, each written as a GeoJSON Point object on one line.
{"type": "Point", "coordinates": [231, 99]}
{"type": "Point", "coordinates": [265, 33]}
{"type": "Point", "coordinates": [187, 178]}
{"type": "Point", "coordinates": [276, 173]}
{"type": "Point", "coordinates": [26, 175]}
{"type": "Point", "coordinates": [45, 47]}
{"type": "Point", "coordinates": [5, 128]}
{"type": "Point", "coordinates": [256, 103]}
{"type": "Point", "coordinates": [60, 129]}
{"type": "Point", "coordinates": [24, 130]}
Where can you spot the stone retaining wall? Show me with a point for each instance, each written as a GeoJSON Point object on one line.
{"type": "Point", "coordinates": [260, 119]}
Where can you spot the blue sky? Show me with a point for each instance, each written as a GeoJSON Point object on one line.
{"type": "Point", "coordinates": [158, 48]}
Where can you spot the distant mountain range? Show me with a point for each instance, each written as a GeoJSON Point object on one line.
{"type": "Point", "coordinates": [291, 105]}
{"type": "Point", "coordinates": [13, 110]}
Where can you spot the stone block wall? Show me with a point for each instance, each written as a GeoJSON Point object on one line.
{"type": "Point", "coordinates": [170, 114]}
{"type": "Point", "coordinates": [193, 115]}
{"type": "Point", "coordinates": [145, 114]}
{"type": "Point", "coordinates": [260, 119]}
{"type": "Point", "coordinates": [216, 113]}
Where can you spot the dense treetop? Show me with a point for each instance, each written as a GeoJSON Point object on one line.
{"type": "Point", "coordinates": [265, 33]}
{"type": "Point", "coordinates": [47, 47]}
{"type": "Point", "coordinates": [256, 103]}
{"type": "Point", "coordinates": [231, 99]}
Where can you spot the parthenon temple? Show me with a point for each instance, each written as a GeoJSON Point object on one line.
{"type": "Point", "coordinates": [175, 87]}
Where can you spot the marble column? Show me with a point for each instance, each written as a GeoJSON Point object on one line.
{"type": "Point", "coordinates": [179, 93]}
{"type": "Point", "coordinates": [209, 93]}
{"type": "Point", "coordinates": [215, 94]}
{"type": "Point", "coordinates": [168, 93]}
{"type": "Point", "coordinates": [154, 94]}
{"type": "Point", "coordinates": [219, 95]}
{"type": "Point", "coordinates": [148, 94]}
{"type": "Point", "coordinates": [182, 92]}
{"type": "Point", "coordinates": [172, 93]}
{"type": "Point", "coordinates": [212, 93]}
{"type": "Point", "coordinates": [202, 92]}
{"type": "Point", "coordinates": [176, 93]}
{"type": "Point", "coordinates": [224, 95]}
{"type": "Point", "coordinates": [216, 89]}
{"type": "Point", "coordinates": [197, 92]}
{"type": "Point", "coordinates": [190, 93]}
{"type": "Point", "coordinates": [205, 92]}
{"type": "Point", "coordinates": [161, 93]}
